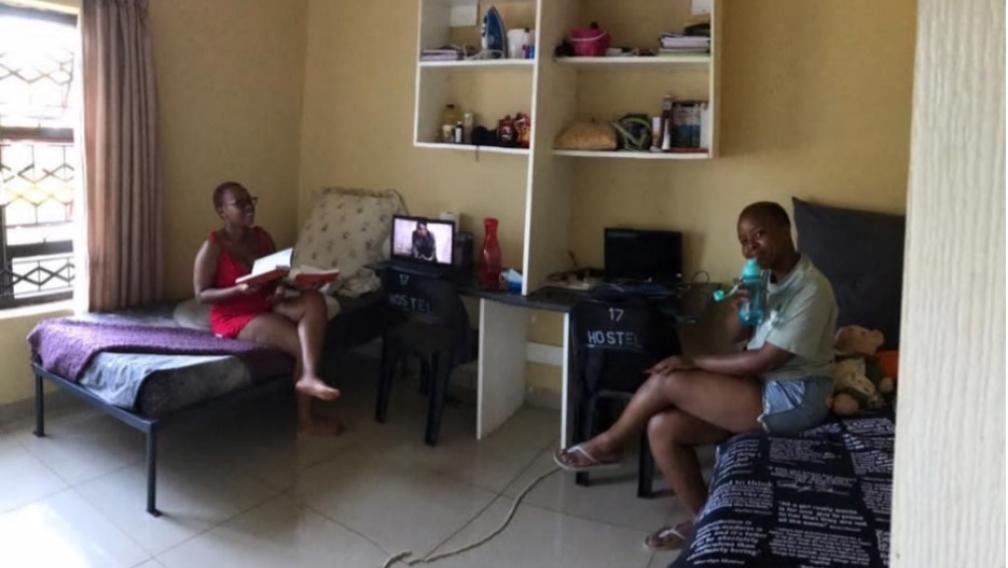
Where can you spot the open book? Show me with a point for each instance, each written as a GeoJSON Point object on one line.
{"type": "Point", "coordinates": [277, 266]}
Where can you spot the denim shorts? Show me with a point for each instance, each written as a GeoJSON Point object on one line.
{"type": "Point", "coordinates": [790, 406]}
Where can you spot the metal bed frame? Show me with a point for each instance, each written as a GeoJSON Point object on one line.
{"type": "Point", "coordinates": [361, 320]}
{"type": "Point", "coordinates": [149, 426]}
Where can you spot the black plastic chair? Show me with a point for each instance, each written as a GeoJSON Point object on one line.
{"type": "Point", "coordinates": [616, 339]}
{"type": "Point", "coordinates": [426, 319]}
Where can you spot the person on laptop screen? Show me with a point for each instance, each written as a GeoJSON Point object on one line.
{"type": "Point", "coordinates": [424, 246]}
{"type": "Point", "coordinates": [422, 243]}
{"type": "Point", "coordinates": [778, 383]}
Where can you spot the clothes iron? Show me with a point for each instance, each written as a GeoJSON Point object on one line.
{"type": "Point", "coordinates": [494, 35]}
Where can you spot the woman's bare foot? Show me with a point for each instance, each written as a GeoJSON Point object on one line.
{"type": "Point", "coordinates": [315, 388]}
{"type": "Point", "coordinates": [320, 425]}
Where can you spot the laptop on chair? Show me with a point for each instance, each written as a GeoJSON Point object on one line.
{"type": "Point", "coordinates": [423, 246]}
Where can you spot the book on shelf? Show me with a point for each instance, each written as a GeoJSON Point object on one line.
{"type": "Point", "coordinates": [441, 54]}
{"type": "Point", "coordinates": [679, 44]}
{"type": "Point", "coordinates": [662, 52]}
{"type": "Point", "coordinates": [680, 41]}
{"type": "Point", "coordinates": [277, 266]}
{"type": "Point", "coordinates": [691, 126]}
{"type": "Point", "coordinates": [684, 41]}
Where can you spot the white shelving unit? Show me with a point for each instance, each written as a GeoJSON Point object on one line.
{"type": "Point", "coordinates": [474, 149]}
{"type": "Point", "coordinates": [555, 92]}
{"type": "Point", "coordinates": [603, 88]}
{"type": "Point", "coordinates": [558, 91]}
{"type": "Point", "coordinates": [625, 155]}
{"type": "Point", "coordinates": [491, 88]}
{"type": "Point", "coordinates": [615, 62]}
{"type": "Point", "coordinates": [480, 64]}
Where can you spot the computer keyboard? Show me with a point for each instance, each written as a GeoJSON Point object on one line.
{"type": "Point", "coordinates": [637, 288]}
{"type": "Point", "coordinates": [558, 294]}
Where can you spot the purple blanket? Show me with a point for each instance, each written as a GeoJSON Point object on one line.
{"type": "Point", "coordinates": [65, 346]}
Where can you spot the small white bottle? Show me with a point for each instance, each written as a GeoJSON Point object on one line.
{"type": "Point", "coordinates": [468, 122]}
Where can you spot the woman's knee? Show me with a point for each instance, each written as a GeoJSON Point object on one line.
{"type": "Point", "coordinates": [669, 428]}
{"type": "Point", "coordinates": [275, 331]}
{"type": "Point", "coordinates": [314, 303]}
{"type": "Point", "coordinates": [660, 382]}
{"type": "Point", "coordinates": [661, 427]}
{"type": "Point", "coordinates": [671, 383]}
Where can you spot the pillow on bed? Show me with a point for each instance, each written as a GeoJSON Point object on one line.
{"type": "Point", "coordinates": [861, 253]}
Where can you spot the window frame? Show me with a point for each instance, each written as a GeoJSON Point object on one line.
{"type": "Point", "coordinates": [26, 134]}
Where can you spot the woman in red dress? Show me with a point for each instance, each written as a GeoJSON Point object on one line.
{"type": "Point", "coordinates": [260, 314]}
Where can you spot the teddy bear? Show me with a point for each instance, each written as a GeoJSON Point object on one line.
{"type": "Point", "coordinates": [859, 381]}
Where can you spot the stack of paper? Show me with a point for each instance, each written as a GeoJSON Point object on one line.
{"type": "Point", "coordinates": [442, 54]}
{"type": "Point", "coordinates": [671, 44]}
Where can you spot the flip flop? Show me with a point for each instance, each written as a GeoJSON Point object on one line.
{"type": "Point", "coordinates": [594, 464]}
{"type": "Point", "coordinates": [670, 538]}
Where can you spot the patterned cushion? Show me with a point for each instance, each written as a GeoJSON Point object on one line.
{"type": "Point", "coordinates": [348, 228]}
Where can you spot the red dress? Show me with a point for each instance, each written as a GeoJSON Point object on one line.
{"type": "Point", "coordinates": [228, 318]}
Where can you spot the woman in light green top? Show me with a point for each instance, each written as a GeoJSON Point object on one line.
{"type": "Point", "coordinates": [779, 383]}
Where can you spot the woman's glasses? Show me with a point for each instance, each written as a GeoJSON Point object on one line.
{"type": "Point", "coordinates": [244, 203]}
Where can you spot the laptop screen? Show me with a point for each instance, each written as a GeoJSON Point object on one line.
{"type": "Point", "coordinates": [417, 239]}
{"type": "Point", "coordinates": [636, 255]}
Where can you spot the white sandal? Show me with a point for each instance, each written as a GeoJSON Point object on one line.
{"type": "Point", "coordinates": [664, 534]}
{"type": "Point", "coordinates": [593, 465]}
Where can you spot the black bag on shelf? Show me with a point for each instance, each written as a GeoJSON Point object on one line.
{"type": "Point", "coordinates": [483, 136]}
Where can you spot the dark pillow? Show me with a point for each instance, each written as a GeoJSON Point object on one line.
{"type": "Point", "coordinates": [861, 253]}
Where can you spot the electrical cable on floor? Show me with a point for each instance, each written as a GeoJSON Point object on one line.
{"type": "Point", "coordinates": [430, 559]}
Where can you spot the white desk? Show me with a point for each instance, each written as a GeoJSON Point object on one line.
{"type": "Point", "coordinates": [503, 336]}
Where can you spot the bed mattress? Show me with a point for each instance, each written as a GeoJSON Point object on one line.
{"type": "Point", "coordinates": [818, 499]}
{"type": "Point", "coordinates": [154, 385]}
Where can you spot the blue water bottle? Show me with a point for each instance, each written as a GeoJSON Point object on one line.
{"type": "Point", "coordinates": [751, 310]}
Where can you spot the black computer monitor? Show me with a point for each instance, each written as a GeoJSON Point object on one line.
{"type": "Point", "coordinates": [642, 256]}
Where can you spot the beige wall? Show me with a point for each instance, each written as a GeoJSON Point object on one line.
{"type": "Point", "coordinates": [358, 123]}
{"type": "Point", "coordinates": [815, 104]}
{"type": "Point", "coordinates": [14, 354]}
{"type": "Point", "coordinates": [230, 76]}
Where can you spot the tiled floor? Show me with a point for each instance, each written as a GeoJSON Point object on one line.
{"type": "Point", "coordinates": [242, 489]}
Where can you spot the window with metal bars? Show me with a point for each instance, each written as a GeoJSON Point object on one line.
{"type": "Point", "coordinates": [38, 156]}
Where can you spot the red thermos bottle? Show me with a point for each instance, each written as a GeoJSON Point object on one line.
{"type": "Point", "coordinates": [490, 263]}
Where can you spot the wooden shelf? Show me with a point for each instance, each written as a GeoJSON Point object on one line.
{"type": "Point", "coordinates": [471, 148]}
{"type": "Point", "coordinates": [627, 155]}
{"type": "Point", "coordinates": [699, 60]}
{"type": "Point", "coordinates": [480, 64]}
{"type": "Point", "coordinates": [557, 92]}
